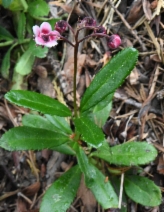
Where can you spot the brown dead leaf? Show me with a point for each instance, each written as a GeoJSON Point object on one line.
{"type": "Point", "coordinates": [41, 71]}
{"type": "Point", "coordinates": [146, 9]}
{"type": "Point", "coordinates": [133, 77]}
{"type": "Point", "coordinates": [135, 12]}
{"type": "Point", "coordinates": [21, 205]}
{"type": "Point", "coordinates": [160, 166]}
{"type": "Point", "coordinates": [155, 58]}
{"type": "Point", "coordinates": [153, 4]}
{"type": "Point", "coordinates": [32, 189]}
{"type": "Point", "coordinates": [86, 196]}
{"type": "Point", "coordinates": [160, 5]}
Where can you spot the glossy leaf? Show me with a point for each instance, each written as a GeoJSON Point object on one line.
{"type": "Point", "coordinates": [100, 116]}
{"type": "Point", "coordinates": [25, 63]}
{"type": "Point", "coordinates": [62, 192]}
{"type": "Point", "coordinates": [29, 138]}
{"type": "Point", "coordinates": [90, 132]}
{"type": "Point", "coordinates": [142, 190]}
{"type": "Point", "coordinates": [39, 102]}
{"type": "Point", "coordinates": [5, 34]}
{"type": "Point", "coordinates": [127, 154]}
{"type": "Point", "coordinates": [37, 121]}
{"type": "Point", "coordinates": [104, 103]}
{"type": "Point", "coordinates": [38, 8]}
{"type": "Point", "coordinates": [109, 78]}
{"type": "Point", "coordinates": [95, 181]}
{"type": "Point", "coordinates": [59, 123]}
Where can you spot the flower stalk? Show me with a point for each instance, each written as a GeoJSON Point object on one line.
{"type": "Point", "coordinates": [45, 36]}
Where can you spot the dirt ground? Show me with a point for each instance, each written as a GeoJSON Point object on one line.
{"type": "Point", "coordinates": [137, 112]}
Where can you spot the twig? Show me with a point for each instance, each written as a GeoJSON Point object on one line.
{"type": "Point", "coordinates": [121, 190]}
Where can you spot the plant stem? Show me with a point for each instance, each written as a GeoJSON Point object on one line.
{"type": "Point", "coordinates": [75, 73]}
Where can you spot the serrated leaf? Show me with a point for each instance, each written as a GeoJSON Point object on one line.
{"type": "Point", "coordinates": [95, 181]}
{"type": "Point", "coordinates": [37, 121]}
{"type": "Point", "coordinates": [38, 102]}
{"type": "Point", "coordinates": [38, 8]}
{"type": "Point", "coordinates": [110, 77]}
{"type": "Point", "coordinates": [127, 154]}
{"type": "Point", "coordinates": [62, 192]}
{"type": "Point", "coordinates": [25, 63]}
{"type": "Point", "coordinates": [29, 138]}
{"type": "Point", "coordinates": [142, 190]}
{"type": "Point", "coordinates": [59, 123]}
{"type": "Point", "coordinates": [90, 132]}
{"type": "Point", "coordinates": [38, 51]}
{"type": "Point", "coordinates": [5, 34]}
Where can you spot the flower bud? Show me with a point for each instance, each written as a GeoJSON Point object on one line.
{"type": "Point", "coordinates": [114, 41]}
{"type": "Point", "coordinates": [100, 29]}
{"type": "Point", "coordinates": [61, 26]}
{"type": "Point", "coordinates": [87, 21]}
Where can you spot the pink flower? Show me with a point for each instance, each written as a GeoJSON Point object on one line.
{"type": "Point", "coordinates": [44, 35]}
{"type": "Point", "coordinates": [61, 26]}
{"type": "Point", "coordinates": [114, 41]}
{"type": "Point", "coordinates": [90, 22]}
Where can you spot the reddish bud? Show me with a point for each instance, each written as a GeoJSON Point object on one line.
{"type": "Point", "coordinates": [100, 29]}
{"type": "Point", "coordinates": [87, 21]}
{"type": "Point", "coordinates": [114, 41]}
{"type": "Point", "coordinates": [61, 26]}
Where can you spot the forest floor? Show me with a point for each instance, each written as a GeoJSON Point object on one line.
{"type": "Point", "coordinates": [137, 111]}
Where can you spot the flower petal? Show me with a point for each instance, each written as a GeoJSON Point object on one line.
{"type": "Point", "coordinates": [45, 28]}
{"type": "Point", "coordinates": [39, 41]}
{"type": "Point", "coordinates": [55, 33]}
{"type": "Point", "coordinates": [51, 43]}
{"type": "Point", "coordinates": [36, 30]}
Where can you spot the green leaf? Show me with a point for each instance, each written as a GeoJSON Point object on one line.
{"type": "Point", "coordinates": [62, 192]}
{"type": "Point", "coordinates": [127, 154]}
{"type": "Point", "coordinates": [38, 51]}
{"type": "Point", "coordinates": [18, 82]}
{"type": "Point", "coordinates": [6, 63]}
{"type": "Point", "coordinates": [6, 3]}
{"type": "Point", "coordinates": [38, 102]}
{"type": "Point", "coordinates": [20, 24]}
{"type": "Point", "coordinates": [110, 77]}
{"type": "Point", "coordinates": [105, 102]}
{"type": "Point", "coordinates": [95, 181]}
{"type": "Point", "coordinates": [37, 121]}
{"type": "Point", "coordinates": [59, 124]}
{"type": "Point", "coordinates": [142, 190]}
{"type": "Point", "coordinates": [5, 34]}
{"type": "Point", "coordinates": [38, 8]}
{"type": "Point", "coordinates": [25, 63]}
{"type": "Point", "coordinates": [116, 182]}
{"type": "Point", "coordinates": [29, 138]}
{"type": "Point", "coordinates": [100, 116]}
{"type": "Point", "coordinates": [90, 132]}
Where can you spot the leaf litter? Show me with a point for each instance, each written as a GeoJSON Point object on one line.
{"type": "Point", "coordinates": [137, 111]}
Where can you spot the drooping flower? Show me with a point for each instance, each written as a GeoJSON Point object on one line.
{"type": "Point", "coordinates": [87, 21]}
{"type": "Point", "coordinates": [100, 29]}
{"type": "Point", "coordinates": [114, 41]}
{"type": "Point", "coordinates": [61, 26]}
{"type": "Point", "coordinates": [45, 36]}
